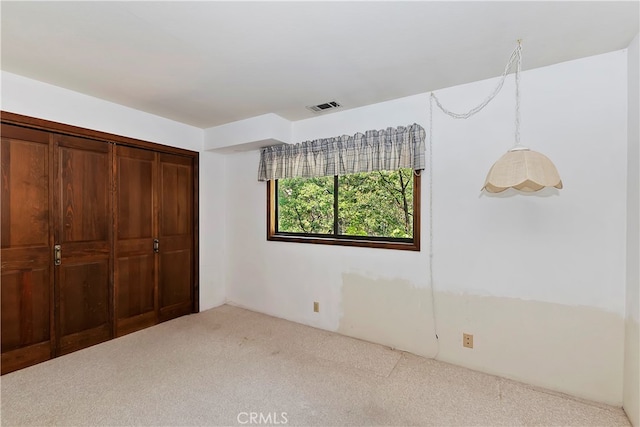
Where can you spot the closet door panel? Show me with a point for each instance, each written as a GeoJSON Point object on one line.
{"type": "Point", "coordinates": [84, 308]}
{"type": "Point", "coordinates": [26, 274]}
{"type": "Point", "coordinates": [25, 306]}
{"type": "Point", "coordinates": [84, 234]}
{"type": "Point", "coordinates": [176, 236]}
{"type": "Point", "coordinates": [175, 277]}
{"type": "Point", "coordinates": [25, 189]}
{"type": "Point", "coordinates": [136, 228]}
{"type": "Point", "coordinates": [136, 290]}
{"type": "Point", "coordinates": [84, 190]}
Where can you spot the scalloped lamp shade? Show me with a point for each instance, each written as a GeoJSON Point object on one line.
{"type": "Point", "coordinates": [524, 170]}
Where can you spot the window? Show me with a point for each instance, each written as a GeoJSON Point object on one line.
{"type": "Point", "coordinates": [374, 209]}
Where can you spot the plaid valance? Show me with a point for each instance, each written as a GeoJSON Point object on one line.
{"type": "Point", "coordinates": [390, 149]}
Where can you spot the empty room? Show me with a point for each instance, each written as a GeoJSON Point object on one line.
{"type": "Point", "coordinates": [320, 213]}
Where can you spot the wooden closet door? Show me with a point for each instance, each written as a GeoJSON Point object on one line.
{"type": "Point", "coordinates": [136, 279]}
{"type": "Point", "coordinates": [27, 279]}
{"type": "Point", "coordinates": [84, 233]}
{"type": "Point", "coordinates": [176, 281]}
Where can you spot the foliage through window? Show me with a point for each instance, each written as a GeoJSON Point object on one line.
{"type": "Point", "coordinates": [379, 209]}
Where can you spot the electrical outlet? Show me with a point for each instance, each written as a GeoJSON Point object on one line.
{"type": "Point", "coordinates": [467, 340]}
{"type": "Point", "coordinates": [316, 306]}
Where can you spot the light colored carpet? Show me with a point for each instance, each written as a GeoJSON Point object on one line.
{"type": "Point", "coordinates": [219, 366]}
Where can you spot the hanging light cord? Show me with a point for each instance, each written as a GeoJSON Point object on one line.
{"type": "Point", "coordinates": [515, 58]}
{"type": "Point", "coordinates": [433, 297]}
{"type": "Point", "coordinates": [518, 67]}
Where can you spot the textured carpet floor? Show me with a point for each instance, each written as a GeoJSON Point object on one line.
{"type": "Point", "coordinates": [230, 366]}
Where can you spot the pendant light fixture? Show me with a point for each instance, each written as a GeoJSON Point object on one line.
{"type": "Point", "coordinates": [524, 170]}
{"type": "Point", "coordinates": [520, 168]}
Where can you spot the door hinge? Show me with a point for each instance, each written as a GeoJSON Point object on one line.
{"type": "Point", "coordinates": [156, 245]}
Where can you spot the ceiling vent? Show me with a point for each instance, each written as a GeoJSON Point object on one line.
{"type": "Point", "coordinates": [323, 107]}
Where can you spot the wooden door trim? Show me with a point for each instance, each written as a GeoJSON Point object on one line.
{"type": "Point", "coordinates": [13, 360]}
{"type": "Point", "coordinates": [196, 233]}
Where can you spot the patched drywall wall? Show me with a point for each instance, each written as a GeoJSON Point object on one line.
{"type": "Point", "coordinates": [391, 312]}
{"type": "Point", "coordinates": [513, 338]}
{"type": "Point", "coordinates": [572, 349]}
{"type": "Point", "coordinates": [631, 398]}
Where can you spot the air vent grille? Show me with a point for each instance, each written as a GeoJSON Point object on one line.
{"type": "Point", "coordinates": [324, 107]}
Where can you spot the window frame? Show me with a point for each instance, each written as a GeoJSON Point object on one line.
{"type": "Point", "coordinates": [341, 240]}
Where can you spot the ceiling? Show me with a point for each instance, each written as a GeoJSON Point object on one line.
{"type": "Point", "coordinates": [210, 63]}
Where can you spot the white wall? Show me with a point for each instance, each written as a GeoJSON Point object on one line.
{"type": "Point", "coordinates": [33, 98]}
{"type": "Point", "coordinates": [632, 331]}
{"type": "Point", "coordinates": [539, 281]}
{"type": "Point", "coordinates": [248, 134]}
{"type": "Point", "coordinates": [36, 99]}
{"type": "Point", "coordinates": [213, 213]}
